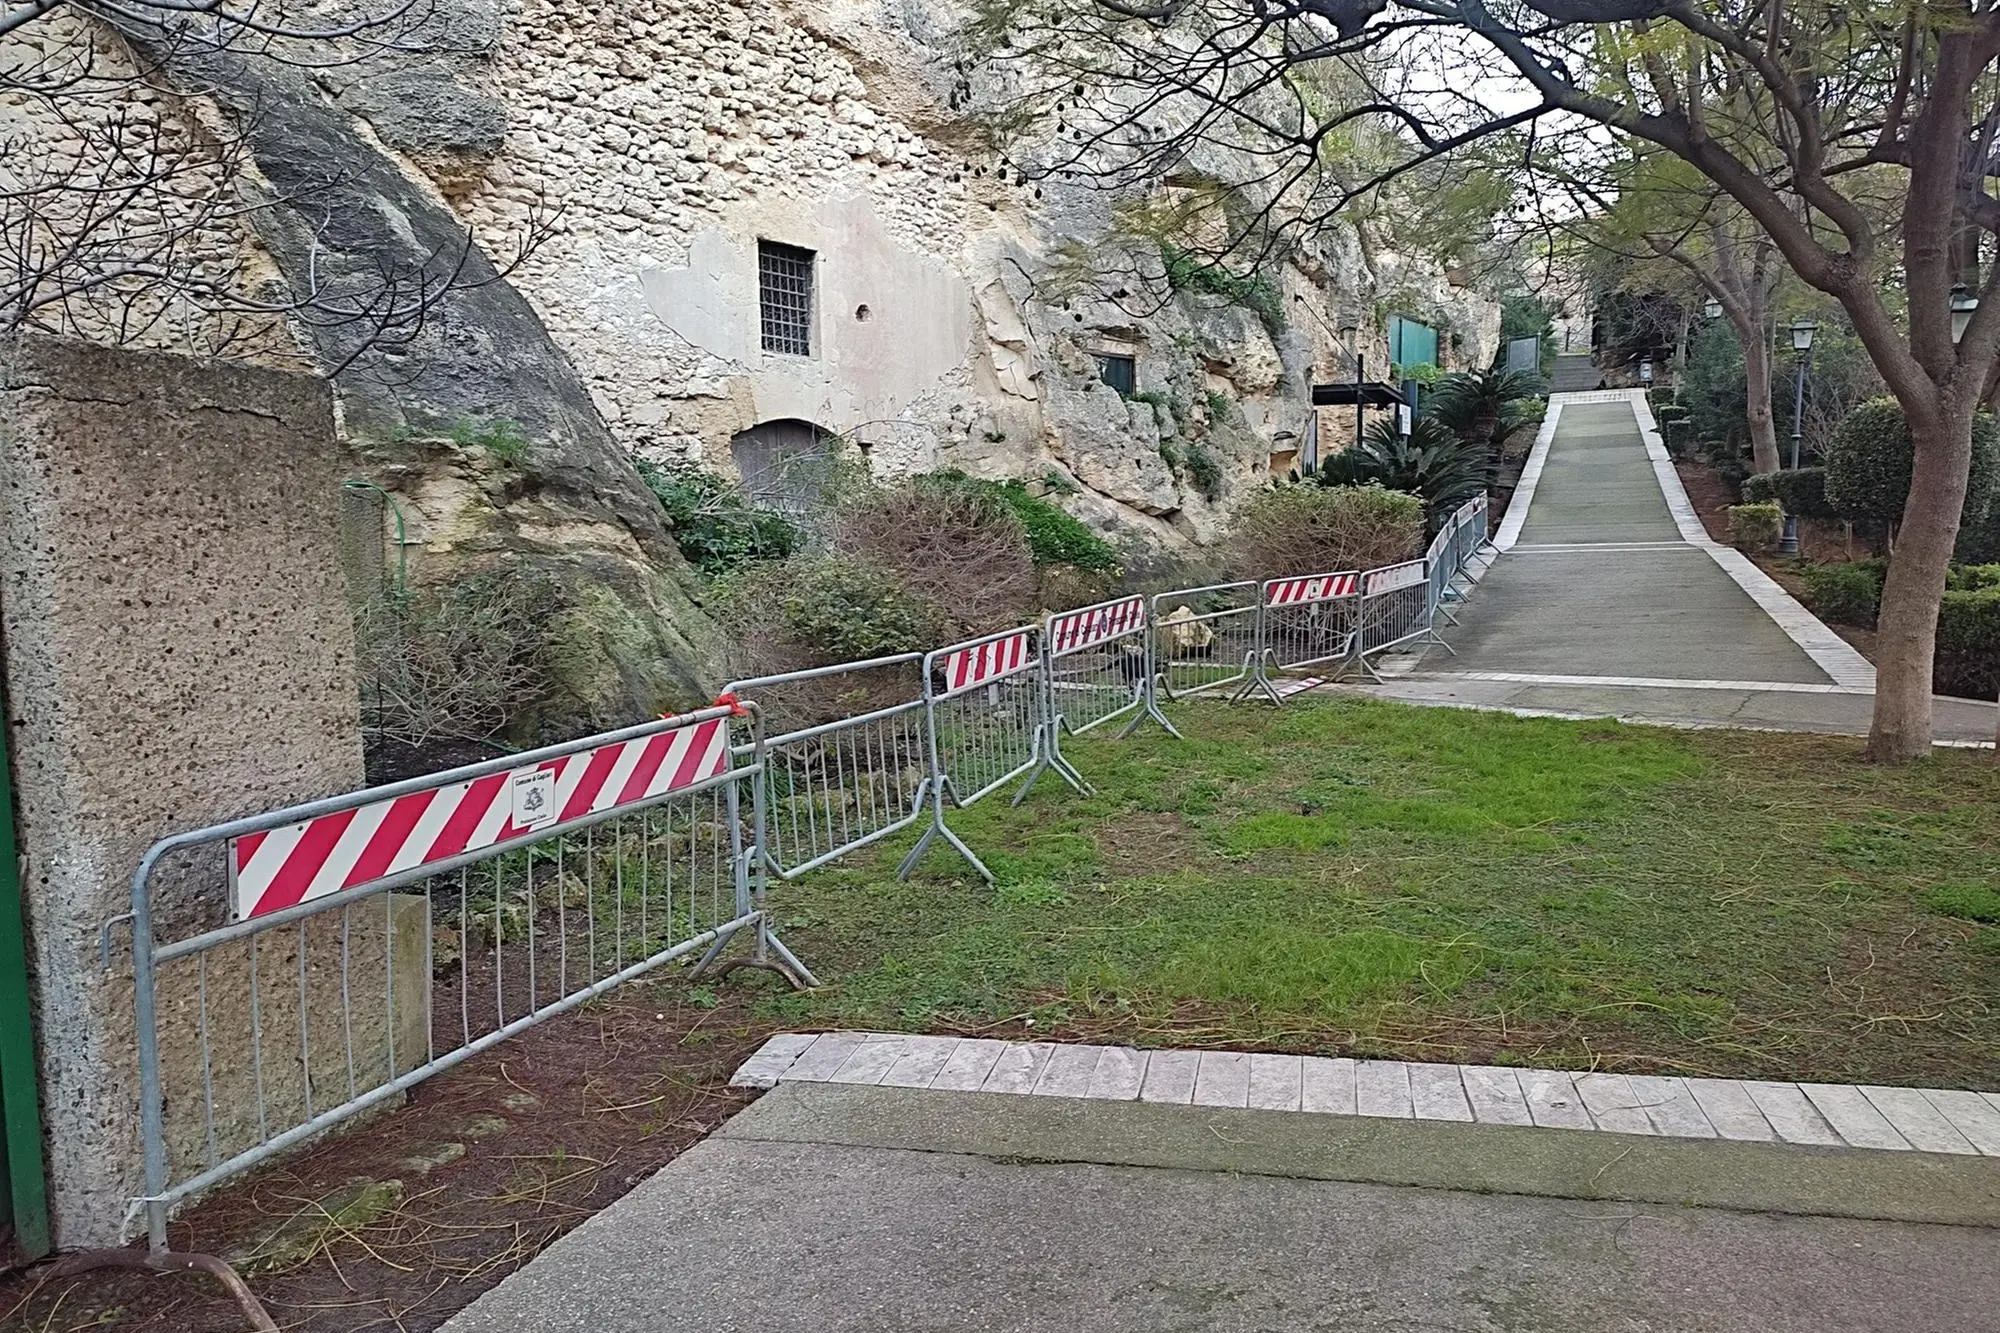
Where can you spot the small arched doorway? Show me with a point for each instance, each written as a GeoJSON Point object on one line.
{"type": "Point", "coordinates": [783, 463]}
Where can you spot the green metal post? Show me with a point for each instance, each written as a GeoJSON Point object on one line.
{"type": "Point", "coordinates": [20, 1110]}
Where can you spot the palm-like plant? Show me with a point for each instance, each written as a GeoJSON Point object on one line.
{"type": "Point", "coordinates": [1484, 406]}
{"type": "Point", "coordinates": [1431, 462]}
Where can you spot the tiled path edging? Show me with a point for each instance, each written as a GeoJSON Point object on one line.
{"type": "Point", "coordinates": [1839, 1115]}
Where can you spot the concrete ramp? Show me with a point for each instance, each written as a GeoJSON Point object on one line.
{"type": "Point", "coordinates": [844, 1209]}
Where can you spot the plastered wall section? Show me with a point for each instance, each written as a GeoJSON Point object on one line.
{"type": "Point", "coordinates": [178, 650]}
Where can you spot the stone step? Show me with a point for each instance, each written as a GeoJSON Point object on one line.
{"type": "Point", "coordinates": [1882, 1118]}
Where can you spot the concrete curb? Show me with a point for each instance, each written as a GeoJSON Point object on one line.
{"type": "Point", "coordinates": [1780, 1178]}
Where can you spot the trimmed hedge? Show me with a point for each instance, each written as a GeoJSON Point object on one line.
{"type": "Point", "coordinates": [1800, 492]}
{"type": "Point", "coordinates": [1868, 466]}
{"type": "Point", "coordinates": [1968, 643]}
{"type": "Point", "coordinates": [1849, 594]}
{"type": "Point", "coordinates": [1968, 631]}
{"type": "Point", "coordinates": [1755, 525]}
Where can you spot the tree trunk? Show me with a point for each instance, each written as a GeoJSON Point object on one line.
{"type": "Point", "coordinates": [1906, 640]}
{"type": "Point", "coordinates": [1757, 379]}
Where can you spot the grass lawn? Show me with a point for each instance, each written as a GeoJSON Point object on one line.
{"type": "Point", "coordinates": [1357, 877]}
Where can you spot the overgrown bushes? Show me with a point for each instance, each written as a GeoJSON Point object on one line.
{"type": "Point", "coordinates": [1302, 529]}
{"type": "Point", "coordinates": [714, 523]}
{"type": "Point", "coordinates": [897, 568]}
{"type": "Point", "coordinates": [458, 661]}
{"type": "Point", "coordinates": [1056, 537]}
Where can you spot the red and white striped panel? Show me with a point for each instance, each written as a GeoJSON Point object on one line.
{"type": "Point", "coordinates": [1073, 631]}
{"type": "Point", "coordinates": [1311, 588]}
{"type": "Point", "coordinates": [352, 848]}
{"type": "Point", "coordinates": [967, 667]}
{"type": "Point", "coordinates": [1407, 575]}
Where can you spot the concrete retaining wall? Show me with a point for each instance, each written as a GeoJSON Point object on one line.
{"type": "Point", "coordinates": [178, 650]}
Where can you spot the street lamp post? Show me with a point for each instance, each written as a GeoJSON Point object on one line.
{"type": "Point", "coordinates": [1351, 335]}
{"type": "Point", "coordinates": [1963, 304]}
{"type": "Point", "coordinates": [1802, 341]}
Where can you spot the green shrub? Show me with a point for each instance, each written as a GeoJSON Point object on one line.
{"type": "Point", "coordinates": [713, 522]}
{"type": "Point", "coordinates": [1847, 594]}
{"type": "Point", "coordinates": [1313, 529]}
{"type": "Point", "coordinates": [1672, 412]}
{"type": "Point", "coordinates": [1968, 643]}
{"type": "Point", "coordinates": [1203, 470]}
{"type": "Point", "coordinates": [1755, 525]}
{"type": "Point", "coordinates": [1800, 492]}
{"type": "Point", "coordinates": [1219, 405]}
{"type": "Point", "coordinates": [1056, 537]}
{"type": "Point", "coordinates": [1971, 578]}
{"type": "Point", "coordinates": [1868, 465]}
{"type": "Point", "coordinates": [841, 609]}
{"type": "Point", "coordinates": [1188, 272]}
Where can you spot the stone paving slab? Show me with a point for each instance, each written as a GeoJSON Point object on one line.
{"type": "Point", "coordinates": [1889, 1119]}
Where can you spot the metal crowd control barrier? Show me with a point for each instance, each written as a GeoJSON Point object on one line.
{"type": "Point", "coordinates": [372, 940]}
{"type": "Point", "coordinates": [1304, 621]}
{"type": "Point", "coordinates": [1205, 640]}
{"type": "Point", "coordinates": [1395, 609]}
{"type": "Point", "coordinates": [1100, 667]}
{"type": "Point", "coordinates": [985, 724]}
{"type": "Point", "coordinates": [830, 787]}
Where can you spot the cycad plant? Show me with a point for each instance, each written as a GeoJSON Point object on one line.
{"type": "Point", "coordinates": [1431, 462]}
{"type": "Point", "coordinates": [1483, 407]}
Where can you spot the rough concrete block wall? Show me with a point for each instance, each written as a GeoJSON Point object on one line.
{"type": "Point", "coordinates": [178, 649]}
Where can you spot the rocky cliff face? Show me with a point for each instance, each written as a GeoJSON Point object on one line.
{"type": "Point", "coordinates": [366, 160]}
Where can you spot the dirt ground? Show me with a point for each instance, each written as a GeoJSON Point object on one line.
{"type": "Point", "coordinates": [400, 1226]}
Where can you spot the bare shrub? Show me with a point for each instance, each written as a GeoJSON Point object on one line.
{"type": "Point", "coordinates": [1315, 529]}
{"type": "Point", "coordinates": [950, 540]}
{"type": "Point", "coordinates": [457, 661]}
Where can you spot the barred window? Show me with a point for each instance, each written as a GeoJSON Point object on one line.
{"type": "Point", "coordinates": [785, 297]}
{"type": "Point", "coordinates": [1120, 372]}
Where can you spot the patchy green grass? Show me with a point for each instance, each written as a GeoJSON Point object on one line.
{"type": "Point", "coordinates": [1372, 878]}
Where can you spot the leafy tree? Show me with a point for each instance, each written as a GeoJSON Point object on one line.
{"type": "Point", "coordinates": [1524, 315]}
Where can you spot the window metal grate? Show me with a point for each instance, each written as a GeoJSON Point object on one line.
{"type": "Point", "coordinates": [785, 297]}
{"type": "Point", "coordinates": [1120, 372]}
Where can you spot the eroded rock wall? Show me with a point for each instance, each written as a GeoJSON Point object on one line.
{"type": "Point", "coordinates": [950, 328]}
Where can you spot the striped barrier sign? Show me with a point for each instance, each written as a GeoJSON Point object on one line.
{"type": "Point", "coordinates": [1074, 631]}
{"type": "Point", "coordinates": [1395, 577]}
{"type": "Point", "coordinates": [982, 662]}
{"type": "Point", "coordinates": [353, 848]}
{"type": "Point", "coordinates": [1310, 588]}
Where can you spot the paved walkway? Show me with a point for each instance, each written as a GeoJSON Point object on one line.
{"type": "Point", "coordinates": [858, 1208]}
{"type": "Point", "coordinates": [1607, 597]}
